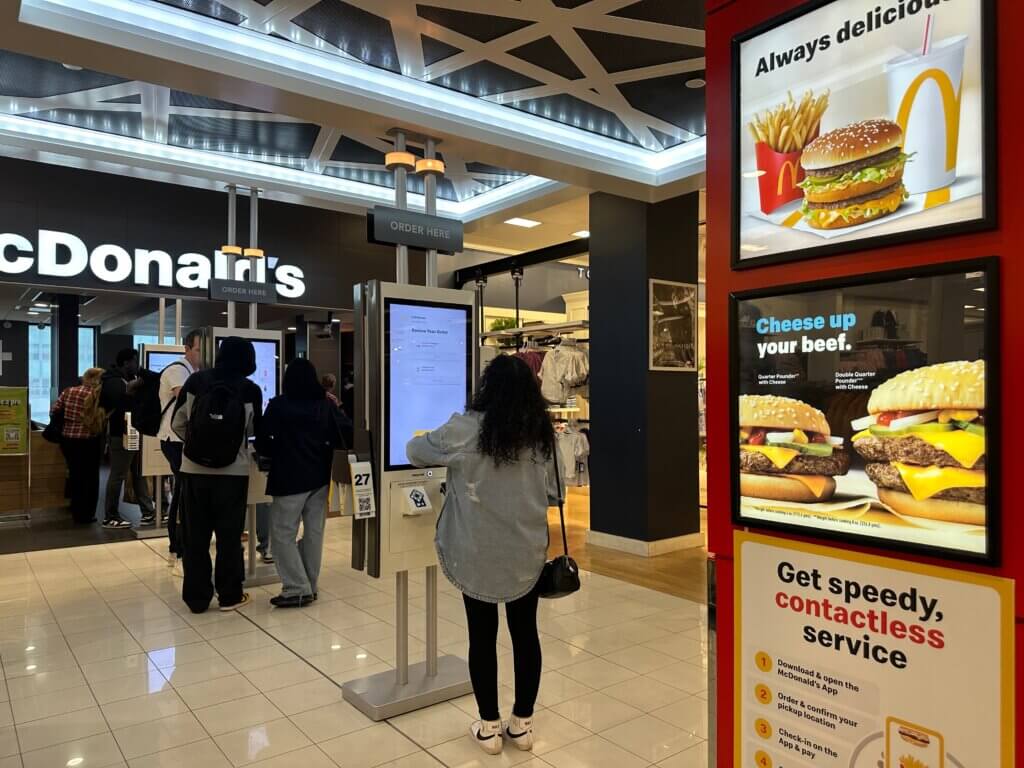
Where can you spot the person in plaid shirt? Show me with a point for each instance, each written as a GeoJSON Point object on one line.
{"type": "Point", "coordinates": [81, 445]}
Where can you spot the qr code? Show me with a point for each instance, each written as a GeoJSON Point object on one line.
{"type": "Point", "coordinates": [365, 504]}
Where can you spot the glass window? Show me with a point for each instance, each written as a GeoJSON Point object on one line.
{"type": "Point", "coordinates": [86, 349]}
{"type": "Point", "coordinates": [39, 347]}
{"type": "Point", "coordinates": [137, 341]}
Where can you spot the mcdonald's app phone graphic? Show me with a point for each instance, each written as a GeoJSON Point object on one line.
{"type": "Point", "coordinates": [860, 119]}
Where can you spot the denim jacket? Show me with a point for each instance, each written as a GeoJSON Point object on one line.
{"type": "Point", "coordinates": [492, 536]}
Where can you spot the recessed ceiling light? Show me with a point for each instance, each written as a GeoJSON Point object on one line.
{"type": "Point", "coordinates": [979, 290]}
{"type": "Point", "coordinates": [41, 305]}
{"type": "Point", "coordinates": [291, 328]}
{"type": "Point", "coordinates": [336, 320]}
{"type": "Point", "coordinates": [32, 312]}
{"type": "Point", "coordinates": [360, 656]}
{"type": "Point", "coordinates": [223, 313]}
{"type": "Point", "coordinates": [30, 648]}
{"type": "Point", "coordinates": [31, 668]}
{"type": "Point", "coordinates": [582, 233]}
{"type": "Point", "coordinates": [72, 67]}
{"type": "Point", "coordinates": [697, 82]}
{"type": "Point", "coordinates": [969, 306]}
{"type": "Point", "coordinates": [525, 223]}
{"type": "Point", "coordinates": [336, 647]}
{"type": "Point", "coordinates": [75, 761]}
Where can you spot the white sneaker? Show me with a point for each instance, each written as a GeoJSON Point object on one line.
{"type": "Point", "coordinates": [487, 733]}
{"type": "Point", "coordinates": [520, 732]}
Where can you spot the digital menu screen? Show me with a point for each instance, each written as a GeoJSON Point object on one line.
{"type": "Point", "coordinates": [861, 120]}
{"type": "Point", "coordinates": [865, 410]}
{"type": "Point", "coordinates": [157, 361]}
{"type": "Point", "coordinates": [428, 362]}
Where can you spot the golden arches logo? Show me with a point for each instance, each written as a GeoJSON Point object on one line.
{"type": "Point", "coordinates": [790, 166]}
{"type": "Point", "coordinates": [950, 108]}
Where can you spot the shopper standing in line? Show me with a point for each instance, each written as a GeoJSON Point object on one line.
{"type": "Point", "coordinates": [492, 537]}
{"type": "Point", "coordinates": [329, 381]}
{"type": "Point", "coordinates": [299, 433]}
{"type": "Point", "coordinates": [217, 411]}
{"type": "Point", "coordinates": [82, 443]}
{"type": "Point", "coordinates": [120, 383]}
{"type": "Point", "coordinates": [172, 379]}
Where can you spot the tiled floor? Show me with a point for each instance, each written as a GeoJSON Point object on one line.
{"type": "Point", "coordinates": [104, 666]}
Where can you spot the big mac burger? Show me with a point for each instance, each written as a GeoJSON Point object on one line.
{"type": "Point", "coordinates": [787, 452]}
{"type": "Point", "coordinates": [924, 439]}
{"type": "Point", "coordinates": [853, 174]}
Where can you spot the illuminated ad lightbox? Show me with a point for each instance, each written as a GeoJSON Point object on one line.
{"type": "Point", "coordinates": [860, 123]}
{"type": "Point", "coordinates": [866, 409]}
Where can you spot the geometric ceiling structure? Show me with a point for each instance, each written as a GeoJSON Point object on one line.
{"type": "Point", "coordinates": [40, 90]}
{"type": "Point", "coordinates": [629, 70]}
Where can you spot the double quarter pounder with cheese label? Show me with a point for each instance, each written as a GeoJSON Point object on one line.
{"type": "Point", "coordinates": [787, 450]}
{"type": "Point", "coordinates": [924, 441]}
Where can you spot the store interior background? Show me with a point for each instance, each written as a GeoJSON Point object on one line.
{"type": "Point", "coordinates": [552, 292]}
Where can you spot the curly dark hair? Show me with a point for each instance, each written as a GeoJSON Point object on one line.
{"type": "Point", "coordinates": [515, 413]}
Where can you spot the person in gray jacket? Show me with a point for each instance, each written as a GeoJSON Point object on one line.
{"type": "Point", "coordinates": [492, 536]}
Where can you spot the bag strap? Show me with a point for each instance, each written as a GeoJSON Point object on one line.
{"type": "Point", "coordinates": [561, 500]}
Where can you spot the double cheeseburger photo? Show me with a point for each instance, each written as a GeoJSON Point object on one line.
{"type": "Point", "coordinates": [853, 175]}
{"type": "Point", "coordinates": [787, 451]}
{"type": "Point", "coordinates": [924, 441]}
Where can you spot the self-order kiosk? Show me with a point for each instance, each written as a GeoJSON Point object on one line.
{"type": "Point", "coordinates": [415, 358]}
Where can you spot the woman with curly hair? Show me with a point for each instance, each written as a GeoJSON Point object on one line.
{"type": "Point", "coordinates": [492, 537]}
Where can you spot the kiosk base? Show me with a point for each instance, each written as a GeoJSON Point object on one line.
{"type": "Point", "coordinates": [379, 696]}
{"type": "Point", "coordinates": [150, 532]}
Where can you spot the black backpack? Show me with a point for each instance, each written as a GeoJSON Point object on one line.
{"type": "Point", "coordinates": [216, 426]}
{"type": "Point", "coordinates": [147, 410]}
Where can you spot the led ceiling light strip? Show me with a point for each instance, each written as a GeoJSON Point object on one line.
{"type": "Point", "coordinates": [45, 137]}
{"type": "Point", "coordinates": [182, 36]}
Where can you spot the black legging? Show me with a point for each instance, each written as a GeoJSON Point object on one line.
{"type": "Point", "coordinates": [482, 619]}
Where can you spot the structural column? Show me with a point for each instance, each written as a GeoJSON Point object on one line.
{"type": "Point", "coordinates": [645, 444]}
{"type": "Point", "coordinates": [64, 338]}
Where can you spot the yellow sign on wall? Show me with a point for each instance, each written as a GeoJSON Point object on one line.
{"type": "Point", "coordinates": [14, 426]}
{"type": "Point", "coordinates": [848, 660]}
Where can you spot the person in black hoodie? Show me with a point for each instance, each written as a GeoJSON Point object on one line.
{"type": "Point", "coordinates": [118, 386]}
{"type": "Point", "coordinates": [299, 434]}
{"type": "Point", "coordinates": [214, 494]}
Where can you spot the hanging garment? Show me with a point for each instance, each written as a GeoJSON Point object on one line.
{"type": "Point", "coordinates": [565, 368]}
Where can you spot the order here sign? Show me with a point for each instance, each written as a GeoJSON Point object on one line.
{"type": "Point", "coordinates": [853, 661]}
{"type": "Point", "coordinates": [393, 226]}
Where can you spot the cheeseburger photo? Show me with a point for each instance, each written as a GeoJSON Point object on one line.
{"type": "Point", "coordinates": [924, 441]}
{"type": "Point", "coordinates": [853, 174]}
{"type": "Point", "coordinates": [787, 452]}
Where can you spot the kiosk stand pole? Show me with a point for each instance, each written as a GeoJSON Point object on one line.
{"type": "Point", "coordinates": [232, 240]}
{"type": "Point", "coordinates": [401, 202]}
{"type": "Point", "coordinates": [254, 197]}
{"type": "Point", "coordinates": [158, 481]}
{"type": "Point", "coordinates": [402, 577]}
{"type": "Point", "coordinates": [430, 190]}
{"type": "Point", "coordinates": [402, 627]}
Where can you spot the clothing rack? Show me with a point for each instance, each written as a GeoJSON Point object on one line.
{"type": "Point", "coordinates": [540, 329]}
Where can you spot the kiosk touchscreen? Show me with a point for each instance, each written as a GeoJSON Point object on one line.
{"type": "Point", "coordinates": [268, 358]}
{"type": "Point", "coordinates": [427, 364]}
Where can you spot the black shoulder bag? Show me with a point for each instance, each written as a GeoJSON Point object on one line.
{"type": "Point", "coordinates": [561, 576]}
